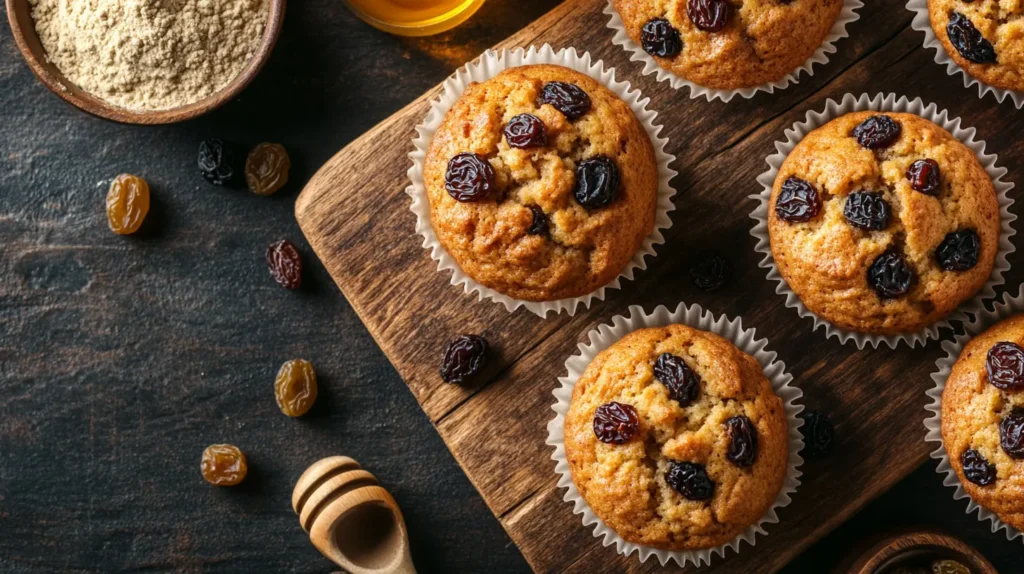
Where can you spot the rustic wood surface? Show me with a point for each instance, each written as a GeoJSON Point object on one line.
{"type": "Point", "coordinates": [121, 358]}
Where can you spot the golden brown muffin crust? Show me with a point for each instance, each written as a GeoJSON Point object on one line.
{"type": "Point", "coordinates": [625, 484]}
{"type": "Point", "coordinates": [489, 240]}
{"type": "Point", "coordinates": [1001, 22]}
{"type": "Point", "coordinates": [762, 42]}
{"type": "Point", "coordinates": [825, 261]}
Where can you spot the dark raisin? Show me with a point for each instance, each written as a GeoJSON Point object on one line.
{"type": "Point", "coordinates": [525, 131]}
{"type": "Point", "coordinates": [220, 163]}
{"type": "Point", "coordinates": [682, 383]}
{"type": "Point", "coordinates": [867, 210]}
{"type": "Point", "coordinates": [1011, 434]}
{"type": "Point", "coordinates": [818, 434]}
{"type": "Point", "coordinates": [798, 201]}
{"type": "Point", "coordinates": [890, 276]}
{"type": "Point", "coordinates": [539, 225]}
{"type": "Point", "coordinates": [959, 250]}
{"type": "Point", "coordinates": [710, 271]}
{"type": "Point", "coordinates": [615, 423]}
{"type": "Point", "coordinates": [285, 264]}
{"type": "Point", "coordinates": [968, 40]}
{"type": "Point", "coordinates": [709, 15]}
{"type": "Point", "coordinates": [597, 182]}
{"type": "Point", "coordinates": [1005, 366]}
{"type": "Point", "coordinates": [877, 132]}
{"type": "Point", "coordinates": [924, 176]}
{"type": "Point", "coordinates": [659, 38]}
{"type": "Point", "coordinates": [976, 468]}
{"type": "Point", "coordinates": [742, 441]}
{"type": "Point", "coordinates": [470, 177]}
{"type": "Point", "coordinates": [569, 99]}
{"type": "Point", "coordinates": [690, 479]}
{"type": "Point", "coordinates": [464, 356]}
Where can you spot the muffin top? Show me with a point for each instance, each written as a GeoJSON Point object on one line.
{"type": "Point", "coordinates": [985, 37]}
{"type": "Point", "coordinates": [542, 183]}
{"type": "Point", "coordinates": [676, 439]}
{"type": "Point", "coordinates": [729, 44]}
{"type": "Point", "coordinates": [983, 419]}
{"type": "Point", "coordinates": [883, 222]}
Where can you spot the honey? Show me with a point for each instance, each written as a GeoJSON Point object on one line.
{"type": "Point", "coordinates": [414, 17]}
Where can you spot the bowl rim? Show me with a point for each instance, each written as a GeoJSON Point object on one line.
{"type": "Point", "coordinates": [57, 83]}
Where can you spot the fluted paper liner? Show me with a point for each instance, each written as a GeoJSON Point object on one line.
{"type": "Point", "coordinates": [693, 316]}
{"type": "Point", "coordinates": [1005, 308]}
{"type": "Point", "coordinates": [651, 66]}
{"type": "Point", "coordinates": [922, 23]}
{"type": "Point", "coordinates": [883, 103]}
{"type": "Point", "coordinates": [488, 65]}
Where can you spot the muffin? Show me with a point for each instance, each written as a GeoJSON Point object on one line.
{"type": "Point", "coordinates": [983, 419]}
{"type": "Point", "coordinates": [883, 223]}
{"type": "Point", "coordinates": [985, 38]}
{"type": "Point", "coordinates": [675, 438]}
{"type": "Point", "coordinates": [729, 44]}
{"type": "Point", "coordinates": [542, 183]}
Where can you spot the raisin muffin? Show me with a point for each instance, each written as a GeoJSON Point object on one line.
{"type": "Point", "coordinates": [729, 44]}
{"type": "Point", "coordinates": [542, 183]}
{"type": "Point", "coordinates": [983, 419]}
{"type": "Point", "coordinates": [883, 223]}
{"type": "Point", "coordinates": [984, 37]}
{"type": "Point", "coordinates": [676, 439]}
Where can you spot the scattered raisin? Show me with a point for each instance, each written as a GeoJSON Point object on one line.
{"type": "Point", "coordinates": [567, 98]}
{"type": "Point", "coordinates": [539, 225]}
{"type": "Point", "coordinates": [615, 423]}
{"type": "Point", "coordinates": [959, 250]}
{"type": "Point", "coordinates": [659, 38]}
{"type": "Point", "coordinates": [968, 40]}
{"type": "Point", "coordinates": [470, 177]}
{"type": "Point", "coordinates": [890, 276]}
{"type": "Point", "coordinates": [219, 162]}
{"type": "Point", "coordinates": [464, 356]}
{"type": "Point", "coordinates": [949, 567]}
{"type": "Point", "coordinates": [526, 131]}
{"type": "Point", "coordinates": [742, 441]}
{"type": "Point", "coordinates": [690, 479]}
{"type": "Point", "coordinates": [223, 465]}
{"type": "Point", "coordinates": [682, 383]}
{"type": "Point", "coordinates": [295, 387]}
{"type": "Point", "coordinates": [818, 434]}
{"type": "Point", "coordinates": [710, 271]}
{"type": "Point", "coordinates": [798, 201]}
{"type": "Point", "coordinates": [877, 132]}
{"type": "Point", "coordinates": [924, 176]}
{"type": "Point", "coordinates": [127, 204]}
{"type": "Point", "coordinates": [867, 210]}
{"type": "Point", "coordinates": [1011, 434]}
{"type": "Point", "coordinates": [266, 168]}
{"type": "Point", "coordinates": [976, 468]}
{"type": "Point", "coordinates": [597, 182]}
{"type": "Point", "coordinates": [285, 264]}
{"type": "Point", "coordinates": [1005, 366]}
{"type": "Point", "coordinates": [709, 15]}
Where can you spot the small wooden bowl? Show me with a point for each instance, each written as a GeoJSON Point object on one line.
{"type": "Point", "coordinates": [888, 552]}
{"type": "Point", "coordinates": [19, 13]}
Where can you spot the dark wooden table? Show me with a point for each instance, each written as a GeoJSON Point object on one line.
{"type": "Point", "coordinates": [121, 358]}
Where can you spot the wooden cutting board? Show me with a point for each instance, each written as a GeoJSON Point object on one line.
{"type": "Point", "coordinates": [356, 216]}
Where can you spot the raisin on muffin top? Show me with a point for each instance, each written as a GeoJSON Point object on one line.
{"type": "Point", "coordinates": [985, 37]}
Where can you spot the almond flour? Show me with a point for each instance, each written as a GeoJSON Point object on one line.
{"type": "Point", "coordinates": [150, 54]}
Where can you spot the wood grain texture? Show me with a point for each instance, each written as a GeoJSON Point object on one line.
{"type": "Point", "coordinates": [355, 216]}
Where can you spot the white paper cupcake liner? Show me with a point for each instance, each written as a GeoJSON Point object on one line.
{"type": "Point", "coordinates": [693, 316]}
{"type": "Point", "coordinates": [651, 66]}
{"type": "Point", "coordinates": [488, 65]}
{"type": "Point", "coordinates": [922, 23]}
{"type": "Point", "coordinates": [1005, 308]}
{"type": "Point", "coordinates": [884, 103]}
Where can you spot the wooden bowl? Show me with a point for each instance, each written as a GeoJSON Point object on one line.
{"type": "Point", "coordinates": [19, 13]}
{"type": "Point", "coordinates": [888, 552]}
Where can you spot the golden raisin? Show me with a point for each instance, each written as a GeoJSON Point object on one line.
{"type": "Point", "coordinates": [223, 465]}
{"type": "Point", "coordinates": [295, 387]}
{"type": "Point", "coordinates": [266, 168]}
{"type": "Point", "coordinates": [127, 203]}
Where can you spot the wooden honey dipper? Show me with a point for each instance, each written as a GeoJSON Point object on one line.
{"type": "Point", "coordinates": [351, 519]}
